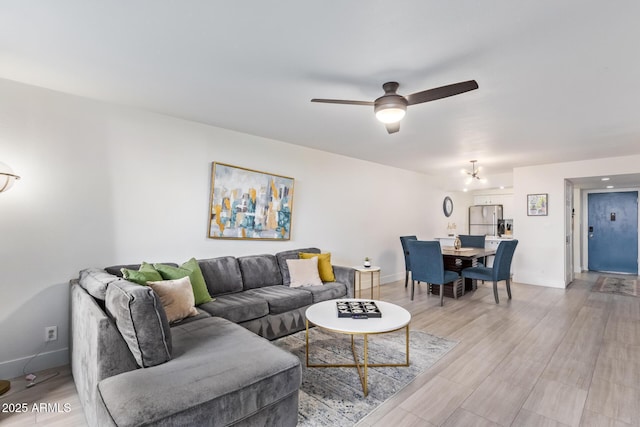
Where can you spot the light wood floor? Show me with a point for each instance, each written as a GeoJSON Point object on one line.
{"type": "Point", "coordinates": [549, 357]}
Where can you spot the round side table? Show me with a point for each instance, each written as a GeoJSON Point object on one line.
{"type": "Point", "coordinates": [374, 272]}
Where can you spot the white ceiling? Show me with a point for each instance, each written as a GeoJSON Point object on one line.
{"type": "Point", "coordinates": [558, 80]}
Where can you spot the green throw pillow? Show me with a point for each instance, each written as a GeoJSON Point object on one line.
{"type": "Point", "coordinates": [146, 273]}
{"type": "Point", "coordinates": [191, 269]}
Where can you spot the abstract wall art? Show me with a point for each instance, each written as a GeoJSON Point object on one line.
{"type": "Point", "coordinates": [248, 204]}
{"type": "Point", "coordinates": [537, 204]}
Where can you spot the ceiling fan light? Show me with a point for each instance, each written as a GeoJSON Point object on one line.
{"type": "Point", "coordinates": [7, 177]}
{"type": "Point", "coordinates": [390, 114]}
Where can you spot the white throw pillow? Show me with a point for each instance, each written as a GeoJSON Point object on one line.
{"type": "Point", "coordinates": [304, 272]}
{"type": "Point", "coordinates": [176, 297]}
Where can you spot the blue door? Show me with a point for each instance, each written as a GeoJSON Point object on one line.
{"type": "Point", "coordinates": [613, 232]}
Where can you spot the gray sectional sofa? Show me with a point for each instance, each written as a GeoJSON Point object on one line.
{"type": "Point", "coordinates": [217, 368]}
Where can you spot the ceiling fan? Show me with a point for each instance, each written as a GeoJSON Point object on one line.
{"type": "Point", "coordinates": [390, 108]}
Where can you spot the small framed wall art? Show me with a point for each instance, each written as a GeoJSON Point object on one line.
{"type": "Point", "coordinates": [537, 204]}
{"type": "Point", "coordinates": [249, 204]}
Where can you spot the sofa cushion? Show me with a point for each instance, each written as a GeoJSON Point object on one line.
{"type": "Point", "coordinates": [220, 374]}
{"type": "Point", "coordinates": [190, 268]}
{"type": "Point", "coordinates": [328, 291]}
{"type": "Point", "coordinates": [282, 298]}
{"type": "Point", "coordinates": [238, 307]}
{"type": "Point", "coordinates": [324, 265]}
{"type": "Point", "coordinates": [141, 320]}
{"type": "Point", "coordinates": [95, 281]}
{"type": "Point", "coordinates": [176, 297]}
{"type": "Point", "coordinates": [282, 258]}
{"type": "Point", "coordinates": [259, 271]}
{"type": "Point", "coordinates": [304, 272]}
{"type": "Point", "coordinates": [222, 275]}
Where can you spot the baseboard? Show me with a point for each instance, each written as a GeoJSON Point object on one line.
{"type": "Point", "coordinates": [48, 359]}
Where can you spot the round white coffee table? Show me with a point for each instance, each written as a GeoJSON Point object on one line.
{"type": "Point", "coordinates": [325, 316]}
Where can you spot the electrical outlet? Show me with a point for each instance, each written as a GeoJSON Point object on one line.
{"type": "Point", "coordinates": [50, 333]}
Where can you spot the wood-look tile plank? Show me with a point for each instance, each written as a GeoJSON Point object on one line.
{"type": "Point", "coordinates": [531, 419]}
{"type": "Point", "coordinates": [623, 330]}
{"type": "Point", "coordinates": [624, 372]}
{"type": "Point", "coordinates": [569, 371]}
{"type": "Point", "coordinates": [462, 417]}
{"type": "Point", "coordinates": [557, 401]}
{"type": "Point", "coordinates": [518, 371]}
{"type": "Point", "coordinates": [437, 400]}
{"type": "Point", "coordinates": [496, 400]}
{"type": "Point", "coordinates": [593, 419]}
{"type": "Point", "coordinates": [614, 401]}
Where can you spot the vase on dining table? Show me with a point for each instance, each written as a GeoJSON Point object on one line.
{"type": "Point", "coordinates": [457, 244]}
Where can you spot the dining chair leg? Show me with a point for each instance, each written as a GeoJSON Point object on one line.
{"type": "Point", "coordinates": [441, 295]}
{"type": "Point", "coordinates": [413, 288]}
{"type": "Point", "coordinates": [495, 291]}
{"type": "Point", "coordinates": [509, 288]}
{"type": "Point", "coordinates": [406, 278]}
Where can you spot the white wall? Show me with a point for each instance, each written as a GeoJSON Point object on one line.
{"type": "Point", "coordinates": [539, 258]}
{"type": "Point", "coordinates": [103, 184]}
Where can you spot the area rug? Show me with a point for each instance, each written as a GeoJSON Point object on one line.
{"type": "Point", "coordinates": [333, 396]}
{"type": "Point", "coordinates": [627, 286]}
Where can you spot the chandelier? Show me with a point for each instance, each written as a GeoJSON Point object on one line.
{"type": "Point", "coordinates": [474, 174]}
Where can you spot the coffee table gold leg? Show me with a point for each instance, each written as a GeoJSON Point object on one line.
{"type": "Point", "coordinates": [407, 349]}
{"type": "Point", "coordinates": [307, 341]}
{"type": "Point", "coordinates": [366, 364]}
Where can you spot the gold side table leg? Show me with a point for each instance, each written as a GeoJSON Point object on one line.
{"type": "Point", "coordinates": [371, 284]}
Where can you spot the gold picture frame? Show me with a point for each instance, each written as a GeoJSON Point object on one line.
{"type": "Point", "coordinates": [249, 204]}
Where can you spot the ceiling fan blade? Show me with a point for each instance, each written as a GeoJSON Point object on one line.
{"type": "Point", "coordinates": [393, 127]}
{"type": "Point", "coordinates": [342, 101]}
{"type": "Point", "coordinates": [441, 92]}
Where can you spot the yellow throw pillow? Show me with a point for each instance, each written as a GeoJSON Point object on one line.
{"type": "Point", "coordinates": [324, 265]}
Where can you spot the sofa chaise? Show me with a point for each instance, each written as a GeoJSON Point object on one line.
{"type": "Point", "coordinates": [217, 368]}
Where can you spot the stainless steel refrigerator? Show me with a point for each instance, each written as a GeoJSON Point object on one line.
{"type": "Point", "coordinates": [483, 219]}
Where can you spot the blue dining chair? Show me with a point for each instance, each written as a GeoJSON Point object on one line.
{"type": "Point", "coordinates": [407, 261]}
{"type": "Point", "coordinates": [427, 266]}
{"type": "Point", "coordinates": [473, 241]}
{"type": "Point", "coordinates": [501, 269]}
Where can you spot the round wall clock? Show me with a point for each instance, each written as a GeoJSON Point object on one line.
{"type": "Point", "coordinates": [447, 206]}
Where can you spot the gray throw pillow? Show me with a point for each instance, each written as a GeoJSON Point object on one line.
{"type": "Point", "coordinates": [141, 320]}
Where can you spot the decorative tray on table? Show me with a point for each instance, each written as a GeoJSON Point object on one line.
{"type": "Point", "coordinates": [358, 309]}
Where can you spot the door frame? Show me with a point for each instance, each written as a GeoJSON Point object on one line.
{"type": "Point", "coordinates": [584, 229]}
{"type": "Point", "coordinates": [568, 232]}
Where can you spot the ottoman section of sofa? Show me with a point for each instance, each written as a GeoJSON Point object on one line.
{"type": "Point", "coordinates": [220, 374]}
{"type": "Point", "coordinates": [238, 307]}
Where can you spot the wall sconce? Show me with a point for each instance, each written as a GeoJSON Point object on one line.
{"type": "Point", "coordinates": [7, 177]}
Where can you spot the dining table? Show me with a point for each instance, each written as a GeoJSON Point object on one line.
{"type": "Point", "coordinates": [459, 259]}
